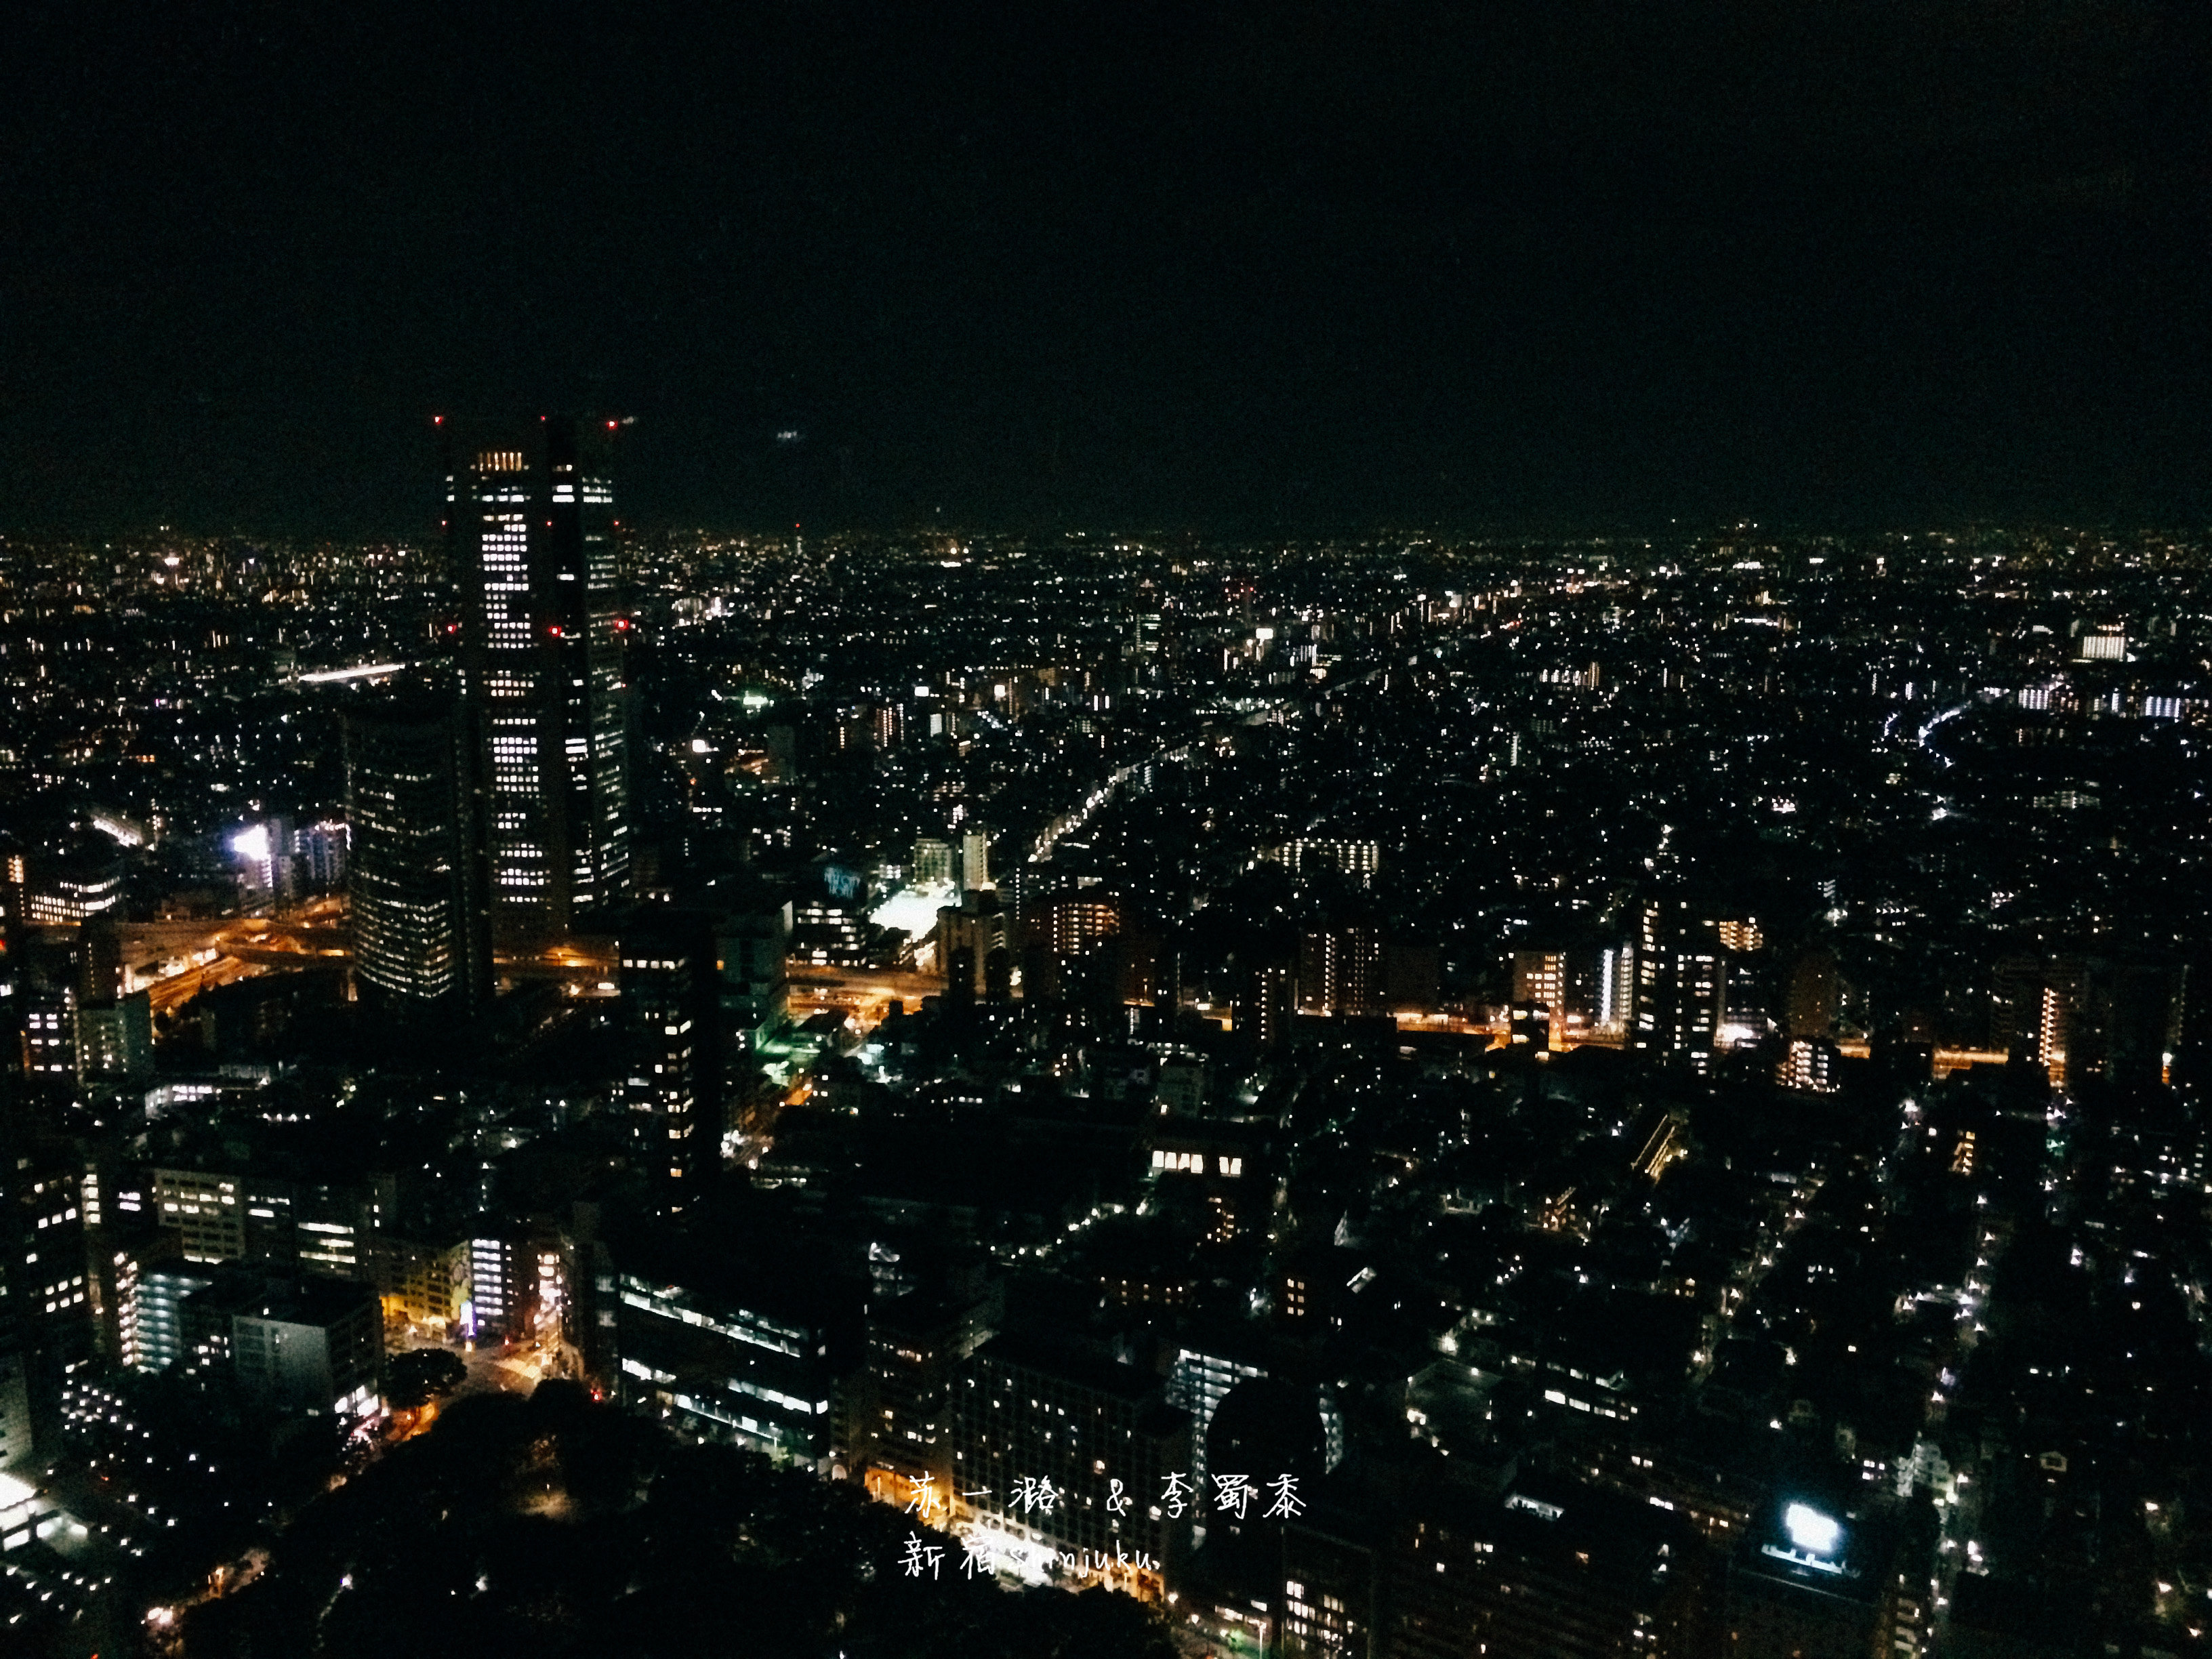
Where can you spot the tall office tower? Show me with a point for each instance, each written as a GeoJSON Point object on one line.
{"type": "Point", "coordinates": [529, 523]}
{"type": "Point", "coordinates": [45, 1313]}
{"type": "Point", "coordinates": [48, 1016]}
{"type": "Point", "coordinates": [671, 1010]}
{"type": "Point", "coordinates": [752, 937]}
{"type": "Point", "coordinates": [418, 875]}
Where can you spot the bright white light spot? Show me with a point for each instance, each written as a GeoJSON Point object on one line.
{"type": "Point", "coordinates": [913, 909]}
{"type": "Point", "coordinates": [373, 671]}
{"type": "Point", "coordinates": [1811, 1530]}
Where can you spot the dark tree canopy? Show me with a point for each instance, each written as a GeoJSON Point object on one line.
{"type": "Point", "coordinates": [576, 1529]}
{"type": "Point", "coordinates": [420, 1375]}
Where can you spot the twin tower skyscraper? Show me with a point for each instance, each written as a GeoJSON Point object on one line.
{"type": "Point", "coordinates": [495, 807]}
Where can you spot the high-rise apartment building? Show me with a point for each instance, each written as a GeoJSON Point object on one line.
{"type": "Point", "coordinates": [975, 861]}
{"type": "Point", "coordinates": [1072, 923]}
{"type": "Point", "coordinates": [1359, 860]}
{"type": "Point", "coordinates": [530, 521]}
{"type": "Point", "coordinates": [1270, 1004]}
{"type": "Point", "coordinates": [261, 853]}
{"type": "Point", "coordinates": [519, 1283]}
{"type": "Point", "coordinates": [416, 872]}
{"type": "Point", "coordinates": [319, 851]}
{"type": "Point", "coordinates": [1680, 984]}
{"type": "Point", "coordinates": [1616, 987]}
{"type": "Point", "coordinates": [1551, 1572]}
{"type": "Point", "coordinates": [1539, 981]}
{"type": "Point", "coordinates": [1340, 970]}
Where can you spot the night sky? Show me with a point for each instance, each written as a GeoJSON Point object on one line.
{"type": "Point", "coordinates": [1281, 268]}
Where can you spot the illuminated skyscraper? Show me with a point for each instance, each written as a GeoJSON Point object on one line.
{"type": "Point", "coordinates": [418, 873]}
{"type": "Point", "coordinates": [530, 519]}
{"type": "Point", "coordinates": [671, 980]}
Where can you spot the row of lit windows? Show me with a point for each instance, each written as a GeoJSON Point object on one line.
{"type": "Point", "coordinates": [1194, 1163]}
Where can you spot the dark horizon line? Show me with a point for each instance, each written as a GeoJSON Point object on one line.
{"type": "Point", "coordinates": [1536, 527]}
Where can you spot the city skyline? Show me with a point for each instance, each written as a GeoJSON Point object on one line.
{"type": "Point", "coordinates": [1314, 830]}
{"type": "Point", "coordinates": [1354, 1094]}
